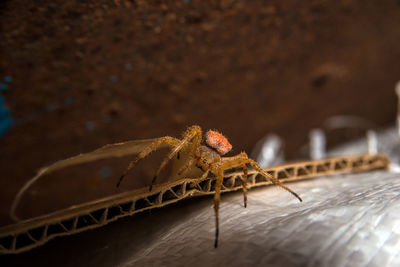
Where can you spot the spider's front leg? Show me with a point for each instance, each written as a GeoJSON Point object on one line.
{"type": "Point", "coordinates": [232, 162]}
{"type": "Point", "coordinates": [217, 196]}
{"type": "Point", "coordinates": [274, 180]}
{"type": "Point", "coordinates": [219, 170]}
{"type": "Point", "coordinates": [244, 184]}
{"type": "Point", "coordinates": [243, 159]}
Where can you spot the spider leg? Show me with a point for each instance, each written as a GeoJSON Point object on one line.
{"type": "Point", "coordinates": [193, 132]}
{"type": "Point", "coordinates": [242, 158]}
{"type": "Point", "coordinates": [231, 162]}
{"type": "Point", "coordinates": [274, 180]}
{"type": "Point", "coordinates": [152, 147]}
{"type": "Point", "coordinates": [217, 195]}
{"type": "Point", "coordinates": [195, 143]}
{"type": "Point", "coordinates": [244, 184]}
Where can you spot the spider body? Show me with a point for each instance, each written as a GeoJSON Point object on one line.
{"type": "Point", "coordinates": [208, 158]}
{"type": "Point", "coordinates": [205, 157]}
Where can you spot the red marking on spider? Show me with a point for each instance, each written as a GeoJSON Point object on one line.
{"type": "Point", "coordinates": [219, 142]}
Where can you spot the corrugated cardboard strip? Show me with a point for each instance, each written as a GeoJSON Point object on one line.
{"type": "Point", "coordinates": [35, 232]}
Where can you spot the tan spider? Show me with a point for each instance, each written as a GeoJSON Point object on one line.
{"type": "Point", "coordinates": [208, 158]}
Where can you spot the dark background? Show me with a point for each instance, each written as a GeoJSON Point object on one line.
{"type": "Point", "coordinates": [89, 73]}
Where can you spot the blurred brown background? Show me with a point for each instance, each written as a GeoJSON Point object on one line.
{"type": "Point", "coordinates": [88, 73]}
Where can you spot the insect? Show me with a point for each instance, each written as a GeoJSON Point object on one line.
{"type": "Point", "coordinates": [209, 158]}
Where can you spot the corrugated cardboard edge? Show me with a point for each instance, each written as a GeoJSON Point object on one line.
{"type": "Point", "coordinates": [35, 232]}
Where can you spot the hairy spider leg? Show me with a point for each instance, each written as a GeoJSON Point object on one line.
{"type": "Point", "coordinates": [195, 144]}
{"type": "Point", "coordinates": [193, 132]}
{"type": "Point", "coordinates": [232, 162]}
{"type": "Point", "coordinates": [217, 196]}
{"type": "Point", "coordinates": [242, 158]}
{"type": "Point", "coordinates": [272, 179]}
{"type": "Point", "coordinates": [171, 141]}
{"type": "Point", "coordinates": [244, 184]}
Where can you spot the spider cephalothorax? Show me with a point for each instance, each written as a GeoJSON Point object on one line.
{"type": "Point", "coordinates": [207, 157]}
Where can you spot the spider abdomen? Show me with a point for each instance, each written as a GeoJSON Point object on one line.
{"type": "Point", "coordinates": [218, 142]}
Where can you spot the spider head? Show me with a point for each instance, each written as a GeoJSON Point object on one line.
{"type": "Point", "coordinates": [218, 142]}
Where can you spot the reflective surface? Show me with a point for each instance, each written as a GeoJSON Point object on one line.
{"type": "Point", "coordinates": [352, 220]}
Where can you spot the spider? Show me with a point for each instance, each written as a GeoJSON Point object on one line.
{"type": "Point", "coordinates": [207, 157]}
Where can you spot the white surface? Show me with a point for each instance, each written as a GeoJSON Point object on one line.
{"type": "Point", "coordinates": [346, 220]}
{"type": "Point", "coordinates": [351, 220]}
